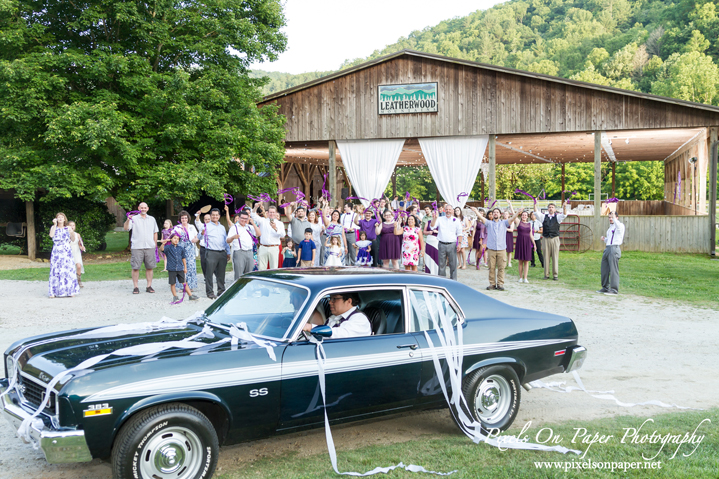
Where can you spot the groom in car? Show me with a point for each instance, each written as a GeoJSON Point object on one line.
{"type": "Point", "coordinates": [346, 320]}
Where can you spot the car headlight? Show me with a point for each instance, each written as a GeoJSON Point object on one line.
{"type": "Point", "coordinates": [9, 366]}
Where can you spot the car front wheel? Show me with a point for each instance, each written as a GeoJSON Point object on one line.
{"type": "Point", "coordinates": [493, 394]}
{"type": "Point", "coordinates": [168, 441]}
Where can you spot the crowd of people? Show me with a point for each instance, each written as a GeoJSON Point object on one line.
{"type": "Point", "coordinates": [388, 234]}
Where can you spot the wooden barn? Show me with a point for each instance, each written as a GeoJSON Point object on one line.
{"type": "Point", "coordinates": [525, 118]}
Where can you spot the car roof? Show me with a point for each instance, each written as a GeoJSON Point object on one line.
{"type": "Point", "coordinates": [349, 276]}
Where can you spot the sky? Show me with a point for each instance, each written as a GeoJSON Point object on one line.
{"type": "Point", "coordinates": [321, 34]}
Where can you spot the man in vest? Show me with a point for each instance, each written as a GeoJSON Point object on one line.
{"type": "Point", "coordinates": [346, 320]}
{"type": "Point", "coordinates": [349, 221]}
{"type": "Point", "coordinates": [550, 237]}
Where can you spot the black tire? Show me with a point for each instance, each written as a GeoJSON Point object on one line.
{"type": "Point", "coordinates": [160, 441]}
{"type": "Point", "coordinates": [493, 394]}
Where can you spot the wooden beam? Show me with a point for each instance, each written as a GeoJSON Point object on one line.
{"type": "Point", "coordinates": [492, 155]}
{"type": "Point", "coordinates": [394, 182]}
{"type": "Point", "coordinates": [713, 138]}
{"type": "Point", "coordinates": [597, 187]}
{"type": "Point", "coordinates": [687, 144]}
{"type": "Point", "coordinates": [31, 245]}
{"type": "Point", "coordinates": [563, 188]}
{"type": "Point", "coordinates": [481, 178]}
{"type": "Point", "coordinates": [614, 179]}
{"type": "Point", "coordinates": [332, 173]}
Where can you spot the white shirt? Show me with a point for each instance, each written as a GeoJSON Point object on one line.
{"type": "Point", "coordinates": [143, 234]}
{"type": "Point", "coordinates": [245, 240]}
{"type": "Point", "coordinates": [190, 230]}
{"type": "Point", "coordinates": [357, 325]}
{"type": "Point", "coordinates": [540, 216]}
{"type": "Point", "coordinates": [449, 229]}
{"type": "Point", "coordinates": [268, 236]}
{"type": "Point", "coordinates": [615, 234]}
{"type": "Point", "coordinates": [347, 220]}
{"type": "Point", "coordinates": [536, 225]}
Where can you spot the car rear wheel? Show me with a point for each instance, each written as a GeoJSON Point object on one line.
{"type": "Point", "coordinates": [493, 395]}
{"type": "Point", "coordinates": [168, 441]}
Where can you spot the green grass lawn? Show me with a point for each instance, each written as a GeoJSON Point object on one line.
{"type": "Point", "coordinates": [687, 277]}
{"type": "Point", "coordinates": [116, 241]}
{"type": "Point", "coordinates": [471, 460]}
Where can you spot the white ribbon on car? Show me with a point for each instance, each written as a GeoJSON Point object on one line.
{"type": "Point", "coordinates": [321, 358]}
{"type": "Point", "coordinates": [146, 350]}
{"type": "Point", "coordinates": [558, 386]}
{"type": "Point", "coordinates": [453, 350]}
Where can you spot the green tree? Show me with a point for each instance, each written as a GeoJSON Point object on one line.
{"type": "Point", "coordinates": [689, 76]}
{"type": "Point", "coordinates": [136, 99]}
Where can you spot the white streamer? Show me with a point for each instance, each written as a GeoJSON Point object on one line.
{"type": "Point", "coordinates": [557, 386]}
{"type": "Point", "coordinates": [321, 358]}
{"type": "Point", "coordinates": [240, 332]}
{"type": "Point", "coordinates": [457, 403]}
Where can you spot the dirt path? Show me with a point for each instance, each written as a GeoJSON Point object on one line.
{"type": "Point", "coordinates": [643, 349]}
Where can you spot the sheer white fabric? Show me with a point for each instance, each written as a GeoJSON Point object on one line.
{"type": "Point", "coordinates": [454, 163]}
{"type": "Point", "coordinates": [369, 165]}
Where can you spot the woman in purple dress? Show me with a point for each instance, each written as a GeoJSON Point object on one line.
{"type": "Point", "coordinates": [480, 240]}
{"type": "Point", "coordinates": [389, 243]}
{"type": "Point", "coordinates": [510, 239]}
{"type": "Point", "coordinates": [525, 246]}
{"type": "Point", "coordinates": [63, 277]}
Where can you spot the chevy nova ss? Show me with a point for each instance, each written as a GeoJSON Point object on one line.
{"type": "Point", "coordinates": [159, 400]}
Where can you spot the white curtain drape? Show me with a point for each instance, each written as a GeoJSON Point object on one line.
{"type": "Point", "coordinates": [369, 165]}
{"type": "Point", "coordinates": [454, 163]}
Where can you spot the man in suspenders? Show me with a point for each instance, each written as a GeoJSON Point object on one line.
{"type": "Point", "coordinates": [241, 241]}
{"type": "Point", "coordinates": [349, 221]}
{"type": "Point", "coordinates": [550, 237]}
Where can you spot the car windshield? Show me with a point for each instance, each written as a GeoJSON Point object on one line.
{"type": "Point", "coordinates": [266, 307]}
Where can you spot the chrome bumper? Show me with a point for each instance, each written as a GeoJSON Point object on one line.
{"type": "Point", "coordinates": [576, 358]}
{"type": "Point", "coordinates": [58, 446]}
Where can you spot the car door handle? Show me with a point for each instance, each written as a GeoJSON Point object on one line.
{"type": "Point", "coordinates": [410, 346]}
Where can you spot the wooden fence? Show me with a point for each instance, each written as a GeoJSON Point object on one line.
{"type": "Point", "coordinates": [657, 234]}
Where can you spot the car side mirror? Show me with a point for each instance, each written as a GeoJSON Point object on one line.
{"type": "Point", "coordinates": [322, 331]}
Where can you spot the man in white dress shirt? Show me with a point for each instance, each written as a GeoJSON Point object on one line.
{"type": "Point", "coordinates": [612, 253]}
{"type": "Point", "coordinates": [272, 230]}
{"type": "Point", "coordinates": [550, 237]}
{"type": "Point", "coordinates": [449, 229]}
{"type": "Point", "coordinates": [241, 242]}
{"type": "Point", "coordinates": [346, 320]}
{"type": "Point", "coordinates": [349, 220]}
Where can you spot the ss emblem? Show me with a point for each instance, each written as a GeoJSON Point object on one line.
{"type": "Point", "coordinates": [258, 392]}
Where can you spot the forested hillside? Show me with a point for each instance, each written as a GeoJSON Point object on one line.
{"type": "Point", "coordinates": [659, 47]}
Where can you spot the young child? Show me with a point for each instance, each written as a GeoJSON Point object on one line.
{"type": "Point", "coordinates": [334, 248]}
{"type": "Point", "coordinates": [76, 247]}
{"type": "Point", "coordinates": [307, 250]}
{"type": "Point", "coordinates": [364, 248]}
{"type": "Point", "coordinates": [176, 266]}
{"type": "Point", "coordinates": [290, 257]}
{"type": "Point", "coordinates": [166, 231]}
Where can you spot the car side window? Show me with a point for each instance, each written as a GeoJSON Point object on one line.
{"type": "Point", "coordinates": [427, 308]}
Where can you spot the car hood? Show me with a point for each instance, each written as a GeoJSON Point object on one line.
{"type": "Point", "coordinates": [46, 357]}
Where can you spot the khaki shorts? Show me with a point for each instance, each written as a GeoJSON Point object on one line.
{"type": "Point", "coordinates": [139, 256]}
{"type": "Point", "coordinates": [306, 264]}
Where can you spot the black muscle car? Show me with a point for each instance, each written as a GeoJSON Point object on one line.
{"type": "Point", "coordinates": [160, 399]}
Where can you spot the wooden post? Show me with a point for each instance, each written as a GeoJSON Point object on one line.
{"type": "Point", "coordinates": [394, 182]}
{"type": "Point", "coordinates": [563, 188]}
{"type": "Point", "coordinates": [714, 141]}
{"type": "Point", "coordinates": [168, 210]}
{"type": "Point", "coordinates": [614, 178]}
{"type": "Point", "coordinates": [481, 178]}
{"type": "Point", "coordinates": [597, 187]}
{"type": "Point", "coordinates": [30, 219]}
{"type": "Point", "coordinates": [332, 173]}
{"type": "Point", "coordinates": [492, 169]}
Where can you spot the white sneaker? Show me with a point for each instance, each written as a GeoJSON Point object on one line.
{"type": "Point", "coordinates": [526, 281]}
{"type": "Point", "coordinates": [520, 280]}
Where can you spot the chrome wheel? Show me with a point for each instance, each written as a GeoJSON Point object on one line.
{"type": "Point", "coordinates": [492, 399]}
{"type": "Point", "coordinates": [173, 452]}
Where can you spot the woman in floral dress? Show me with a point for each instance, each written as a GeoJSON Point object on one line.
{"type": "Point", "coordinates": [188, 238]}
{"type": "Point", "coordinates": [63, 276]}
{"type": "Point", "coordinates": [411, 244]}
